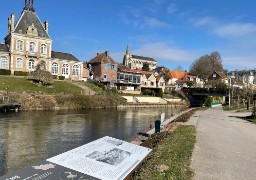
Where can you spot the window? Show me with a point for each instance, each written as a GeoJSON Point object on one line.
{"type": "Point", "coordinates": [19, 63]}
{"type": "Point", "coordinates": [43, 49]}
{"type": "Point", "coordinates": [32, 47]}
{"type": "Point", "coordinates": [65, 69]}
{"type": "Point", "coordinates": [113, 67]}
{"type": "Point", "coordinates": [3, 63]}
{"type": "Point", "coordinates": [19, 45]}
{"type": "Point", "coordinates": [152, 83]}
{"type": "Point", "coordinates": [105, 66]}
{"type": "Point", "coordinates": [75, 70]}
{"type": "Point", "coordinates": [55, 69]}
{"type": "Point", "coordinates": [31, 65]}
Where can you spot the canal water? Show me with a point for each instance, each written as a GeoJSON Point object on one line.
{"type": "Point", "coordinates": [33, 136]}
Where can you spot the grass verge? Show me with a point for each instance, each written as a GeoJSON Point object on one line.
{"type": "Point", "coordinates": [171, 158]}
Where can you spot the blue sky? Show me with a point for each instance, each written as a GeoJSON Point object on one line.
{"type": "Point", "coordinates": [174, 32]}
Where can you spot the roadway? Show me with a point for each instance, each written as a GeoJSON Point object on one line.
{"type": "Point", "coordinates": [226, 146]}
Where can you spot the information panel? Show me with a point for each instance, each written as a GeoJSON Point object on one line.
{"type": "Point", "coordinates": [106, 158]}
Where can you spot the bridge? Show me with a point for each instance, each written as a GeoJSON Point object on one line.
{"type": "Point", "coordinates": [196, 96]}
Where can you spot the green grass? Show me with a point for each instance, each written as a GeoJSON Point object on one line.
{"type": "Point", "coordinates": [240, 108]}
{"type": "Point", "coordinates": [175, 152]}
{"type": "Point", "coordinates": [21, 84]}
{"type": "Point", "coordinates": [93, 87]}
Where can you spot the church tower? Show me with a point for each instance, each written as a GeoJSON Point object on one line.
{"type": "Point", "coordinates": [127, 57]}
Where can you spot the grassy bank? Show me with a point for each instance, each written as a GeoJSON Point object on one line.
{"type": "Point", "coordinates": [22, 85]}
{"type": "Point", "coordinates": [171, 157]}
{"type": "Point", "coordinates": [61, 95]}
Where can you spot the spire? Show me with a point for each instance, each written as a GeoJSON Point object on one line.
{"type": "Point", "coordinates": [29, 5]}
{"type": "Point", "coordinates": [128, 50]}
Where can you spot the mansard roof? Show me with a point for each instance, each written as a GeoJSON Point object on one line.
{"type": "Point", "coordinates": [4, 48]}
{"type": "Point", "coordinates": [143, 58]}
{"type": "Point", "coordinates": [102, 58]}
{"type": "Point", "coordinates": [27, 19]}
{"type": "Point", "coordinates": [63, 56]}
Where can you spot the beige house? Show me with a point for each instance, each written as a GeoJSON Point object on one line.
{"type": "Point", "coordinates": [28, 43]}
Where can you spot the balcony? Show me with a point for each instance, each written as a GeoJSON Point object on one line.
{"type": "Point", "coordinates": [32, 54]}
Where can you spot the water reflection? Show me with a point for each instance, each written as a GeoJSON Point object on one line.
{"type": "Point", "coordinates": [29, 137]}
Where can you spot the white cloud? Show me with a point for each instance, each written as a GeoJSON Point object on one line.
{"type": "Point", "coordinates": [154, 23]}
{"type": "Point", "coordinates": [164, 52]}
{"type": "Point", "coordinates": [235, 29]}
{"type": "Point", "coordinates": [223, 29]}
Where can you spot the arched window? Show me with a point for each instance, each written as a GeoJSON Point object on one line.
{"type": "Point", "coordinates": [75, 70]}
{"type": "Point", "coordinates": [3, 63]}
{"type": "Point", "coordinates": [31, 65]}
{"type": "Point", "coordinates": [55, 68]}
{"type": "Point", "coordinates": [65, 69]}
{"type": "Point", "coordinates": [32, 47]}
{"type": "Point", "coordinates": [43, 49]}
{"type": "Point", "coordinates": [19, 63]}
{"type": "Point", "coordinates": [19, 45]}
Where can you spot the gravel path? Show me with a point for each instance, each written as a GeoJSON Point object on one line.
{"type": "Point", "coordinates": [226, 146]}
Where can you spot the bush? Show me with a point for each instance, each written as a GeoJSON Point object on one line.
{"type": "Point", "coordinates": [5, 72]}
{"type": "Point", "coordinates": [208, 101]}
{"type": "Point", "coordinates": [41, 76]}
{"type": "Point", "coordinates": [61, 77]}
{"type": "Point", "coordinates": [21, 73]}
{"type": "Point", "coordinates": [54, 76]}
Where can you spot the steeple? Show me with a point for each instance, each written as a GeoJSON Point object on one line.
{"type": "Point", "coordinates": [29, 5]}
{"type": "Point", "coordinates": [128, 50]}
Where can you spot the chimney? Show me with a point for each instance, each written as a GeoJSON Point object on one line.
{"type": "Point", "coordinates": [98, 54]}
{"type": "Point", "coordinates": [46, 26]}
{"type": "Point", "coordinates": [11, 23]}
{"type": "Point", "coordinates": [107, 53]}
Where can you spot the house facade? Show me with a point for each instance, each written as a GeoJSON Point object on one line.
{"type": "Point", "coordinates": [104, 68]}
{"type": "Point", "coordinates": [28, 43]}
{"type": "Point", "coordinates": [137, 62]}
{"type": "Point", "coordinates": [128, 80]}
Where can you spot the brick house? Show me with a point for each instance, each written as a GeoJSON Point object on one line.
{"type": "Point", "coordinates": [104, 68]}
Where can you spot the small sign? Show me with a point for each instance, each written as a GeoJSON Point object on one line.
{"type": "Point", "coordinates": [162, 117]}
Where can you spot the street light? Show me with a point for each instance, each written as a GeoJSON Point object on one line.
{"type": "Point", "coordinates": [229, 93]}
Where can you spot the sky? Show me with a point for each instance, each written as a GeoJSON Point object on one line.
{"type": "Point", "coordinates": [173, 32]}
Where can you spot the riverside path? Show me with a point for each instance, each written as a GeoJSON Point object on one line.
{"type": "Point", "coordinates": [226, 146]}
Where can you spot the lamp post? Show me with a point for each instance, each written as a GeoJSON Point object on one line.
{"type": "Point", "coordinates": [229, 94]}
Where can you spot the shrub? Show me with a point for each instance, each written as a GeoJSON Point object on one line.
{"type": "Point", "coordinates": [21, 73]}
{"type": "Point", "coordinates": [61, 77]}
{"type": "Point", "coordinates": [208, 101]}
{"type": "Point", "coordinates": [42, 76]}
{"type": "Point", "coordinates": [54, 76]}
{"type": "Point", "coordinates": [5, 72]}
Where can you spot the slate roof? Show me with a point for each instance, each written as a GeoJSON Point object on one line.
{"type": "Point", "coordinates": [143, 58]}
{"type": "Point", "coordinates": [63, 56]}
{"type": "Point", "coordinates": [26, 20]}
{"type": "Point", "coordinates": [4, 48]}
{"type": "Point", "coordinates": [102, 58]}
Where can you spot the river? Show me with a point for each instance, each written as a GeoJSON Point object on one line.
{"type": "Point", "coordinates": [28, 137]}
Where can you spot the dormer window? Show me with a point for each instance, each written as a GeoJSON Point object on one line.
{"type": "Point", "coordinates": [43, 49]}
{"type": "Point", "coordinates": [32, 46]}
{"type": "Point", "coordinates": [19, 45]}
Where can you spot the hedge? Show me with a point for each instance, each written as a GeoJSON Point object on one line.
{"type": "Point", "coordinates": [5, 72]}
{"type": "Point", "coordinates": [54, 76]}
{"type": "Point", "coordinates": [61, 77]}
{"type": "Point", "coordinates": [21, 73]}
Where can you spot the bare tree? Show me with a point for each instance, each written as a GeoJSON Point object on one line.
{"type": "Point", "coordinates": [206, 64]}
